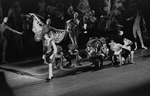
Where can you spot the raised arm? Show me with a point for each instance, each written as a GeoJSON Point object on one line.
{"type": "Point", "coordinates": [143, 20]}
{"type": "Point", "coordinates": [131, 18]}
{"type": "Point", "coordinates": [57, 29]}
{"type": "Point", "coordinates": [15, 31]}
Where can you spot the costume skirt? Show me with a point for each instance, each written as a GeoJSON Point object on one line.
{"type": "Point", "coordinates": [48, 60]}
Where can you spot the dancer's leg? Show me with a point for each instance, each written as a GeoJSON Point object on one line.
{"type": "Point", "coordinates": [132, 57]}
{"type": "Point", "coordinates": [141, 39]}
{"type": "Point", "coordinates": [72, 39]}
{"type": "Point", "coordinates": [50, 70]}
{"type": "Point", "coordinates": [4, 45]}
{"type": "Point", "coordinates": [135, 38]}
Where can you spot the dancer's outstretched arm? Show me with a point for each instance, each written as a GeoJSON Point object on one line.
{"type": "Point", "coordinates": [15, 31]}
{"type": "Point", "coordinates": [131, 18]}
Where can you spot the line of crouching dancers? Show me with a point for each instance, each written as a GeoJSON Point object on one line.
{"type": "Point", "coordinates": [97, 51]}
{"type": "Point", "coordinates": [119, 53]}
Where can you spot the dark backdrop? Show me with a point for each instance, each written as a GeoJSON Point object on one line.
{"type": "Point", "coordinates": [34, 49]}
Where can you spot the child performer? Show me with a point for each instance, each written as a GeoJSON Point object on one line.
{"type": "Point", "coordinates": [50, 50]}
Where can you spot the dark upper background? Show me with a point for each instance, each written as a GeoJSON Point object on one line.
{"type": "Point", "coordinates": [28, 6]}
{"type": "Point", "coordinates": [31, 6]}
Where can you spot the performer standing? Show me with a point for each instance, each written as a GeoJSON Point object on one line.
{"type": "Point", "coordinates": [3, 40]}
{"type": "Point", "coordinates": [73, 28]}
{"type": "Point", "coordinates": [137, 30]}
{"type": "Point", "coordinates": [49, 54]}
{"type": "Point", "coordinates": [49, 48]}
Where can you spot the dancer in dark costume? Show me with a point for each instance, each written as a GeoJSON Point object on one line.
{"type": "Point", "coordinates": [3, 40]}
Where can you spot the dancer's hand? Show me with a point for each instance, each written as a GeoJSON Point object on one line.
{"type": "Point", "coordinates": [128, 19]}
{"type": "Point", "coordinates": [21, 33]}
{"type": "Point", "coordinates": [51, 57]}
{"type": "Point", "coordinates": [43, 57]}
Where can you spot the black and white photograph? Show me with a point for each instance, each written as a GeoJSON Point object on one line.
{"type": "Point", "coordinates": [74, 47]}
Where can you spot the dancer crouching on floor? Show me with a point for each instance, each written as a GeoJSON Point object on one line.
{"type": "Point", "coordinates": [128, 50]}
{"type": "Point", "coordinates": [122, 48]}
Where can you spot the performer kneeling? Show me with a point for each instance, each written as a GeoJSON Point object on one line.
{"type": "Point", "coordinates": [122, 52]}
{"type": "Point", "coordinates": [117, 49]}
{"type": "Point", "coordinates": [128, 51]}
{"type": "Point", "coordinates": [94, 52]}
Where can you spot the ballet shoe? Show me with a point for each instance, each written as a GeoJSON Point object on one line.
{"type": "Point", "coordinates": [4, 62]}
{"type": "Point", "coordinates": [135, 48]}
{"type": "Point", "coordinates": [48, 79]}
{"type": "Point", "coordinates": [144, 47]}
{"type": "Point", "coordinates": [131, 62]}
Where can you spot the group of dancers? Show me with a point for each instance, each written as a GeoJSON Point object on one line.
{"type": "Point", "coordinates": [52, 51]}
{"type": "Point", "coordinates": [98, 49]}
{"type": "Point", "coordinates": [119, 50]}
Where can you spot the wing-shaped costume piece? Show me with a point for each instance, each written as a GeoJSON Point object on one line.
{"type": "Point", "coordinates": [59, 34]}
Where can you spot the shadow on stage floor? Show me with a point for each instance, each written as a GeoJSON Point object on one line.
{"type": "Point", "coordinates": [39, 70]}
{"type": "Point", "coordinates": [96, 90]}
{"type": "Point", "coordinates": [36, 68]}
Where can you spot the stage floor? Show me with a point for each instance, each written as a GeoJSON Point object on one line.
{"type": "Point", "coordinates": [127, 80]}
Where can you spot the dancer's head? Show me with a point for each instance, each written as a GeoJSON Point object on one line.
{"type": "Point", "coordinates": [48, 21]}
{"type": "Point", "coordinates": [75, 15]}
{"type": "Point", "coordinates": [121, 32]}
{"type": "Point", "coordinates": [127, 41]}
{"type": "Point", "coordinates": [5, 19]}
